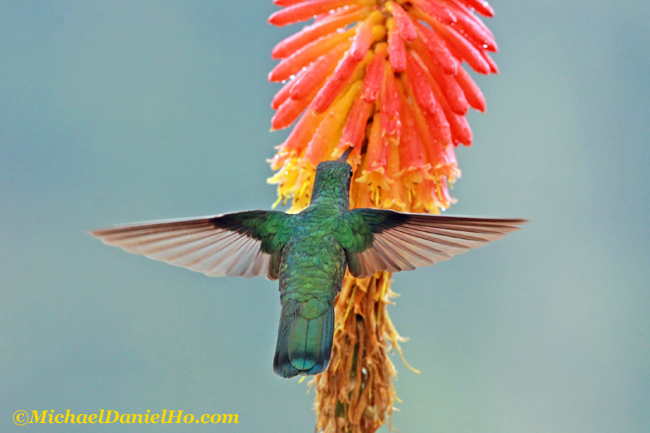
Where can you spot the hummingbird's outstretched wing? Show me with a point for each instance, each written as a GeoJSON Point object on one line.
{"type": "Point", "coordinates": [385, 240]}
{"type": "Point", "coordinates": [243, 244]}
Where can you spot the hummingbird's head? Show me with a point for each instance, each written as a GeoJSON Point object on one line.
{"type": "Point", "coordinates": [333, 181]}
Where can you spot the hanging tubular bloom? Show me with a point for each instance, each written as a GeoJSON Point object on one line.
{"type": "Point", "coordinates": [385, 78]}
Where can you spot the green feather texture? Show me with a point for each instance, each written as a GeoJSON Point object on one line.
{"type": "Point", "coordinates": [271, 228]}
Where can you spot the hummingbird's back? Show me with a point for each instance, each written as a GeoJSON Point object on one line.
{"type": "Point", "coordinates": [311, 273]}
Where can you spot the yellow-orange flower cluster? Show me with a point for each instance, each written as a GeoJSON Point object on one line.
{"type": "Point", "coordinates": [385, 78]}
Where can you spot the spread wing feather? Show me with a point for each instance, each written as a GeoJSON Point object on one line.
{"type": "Point", "coordinates": [237, 244]}
{"type": "Point", "coordinates": [397, 241]}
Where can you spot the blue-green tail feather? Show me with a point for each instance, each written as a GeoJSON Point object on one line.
{"type": "Point", "coordinates": [304, 345]}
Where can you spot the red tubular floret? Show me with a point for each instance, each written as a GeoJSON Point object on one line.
{"type": "Point", "coordinates": [314, 76]}
{"type": "Point", "coordinates": [411, 148]}
{"type": "Point", "coordinates": [456, 129]}
{"type": "Point", "coordinates": [450, 88]}
{"type": "Point", "coordinates": [323, 27]}
{"type": "Point", "coordinates": [283, 94]}
{"type": "Point", "coordinates": [377, 151]}
{"type": "Point", "coordinates": [439, 125]}
{"type": "Point", "coordinates": [335, 84]}
{"type": "Point", "coordinates": [362, 40]}
{"type": "Point", "coordinates": [321, 144]}
{"type": "Point", "coordinates": [391, 107]}
{"type": "Point", "coordinates": [396, 48]}
{"type": "Point", "coordinates": [437, 119]}
{"type": "Point", "coordinates": [306, 10]}
{"type": "Point", "coordinates": [303, 131]}
{"type": "Point", "coordinates": [461, 48]}
{"type": "Point", "coordinates": [431, 142]}
{"type": "Point", "coordinates": [289, 111]}
{"type": "Point", "coordinates": [374, 75]}
{"type": "Point", "coordinates": [355, 128]}
{"type": "Point", "coordinates": [460, 130]}
{"type": "Point", "coordinates": [472, 28]}
{"type": "Point", "coordinates": [307, 54]}
{"type": "Point", "coordinates": [419, 85]}
{"type": "Point", "coordinates": [490, 61]}
{"type": "Point", "coordinates": [471, 90]}
{"type": "Point", "coordinates": [404, 23]}
{"type": "Point", "coordinates": [438, 49]}
{"type": "Point", "coordinates": [477, 21]}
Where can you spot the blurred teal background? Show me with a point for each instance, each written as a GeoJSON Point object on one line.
{"type": "Point", "coordinates": [120, 111]}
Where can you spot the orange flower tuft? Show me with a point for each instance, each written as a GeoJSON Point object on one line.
{"type": "Point", "coordinates": [385, 78]}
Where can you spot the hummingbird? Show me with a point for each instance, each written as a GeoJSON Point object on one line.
{"type": "Point", "coordinates": [309, 253]}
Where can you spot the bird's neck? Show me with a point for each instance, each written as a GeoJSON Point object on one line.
{"type": "Point", "coordinates": [333, 195]}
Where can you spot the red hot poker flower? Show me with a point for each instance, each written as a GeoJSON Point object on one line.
{"type": "Point", "coordinates": [387, 79]}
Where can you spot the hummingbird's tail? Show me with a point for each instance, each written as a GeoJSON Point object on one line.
{"type": "Point", "coordinates": [304, 344]}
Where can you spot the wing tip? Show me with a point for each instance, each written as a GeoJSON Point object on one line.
{"type": "Point", "coordinates": [518, 222]}
{"type": "Point", "coordinates": [97, 233]}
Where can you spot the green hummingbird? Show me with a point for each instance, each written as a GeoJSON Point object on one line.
{"type": "Point", "coordinates": [309, 253]}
